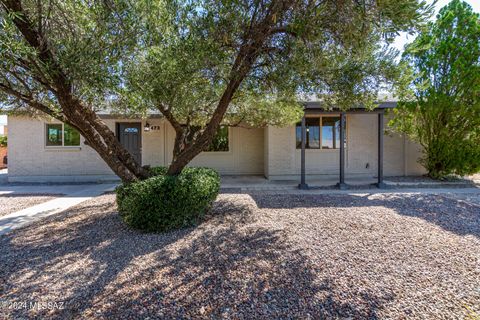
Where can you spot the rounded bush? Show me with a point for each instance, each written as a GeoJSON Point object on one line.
{"type": "Point", "coordinates": [163, 203]}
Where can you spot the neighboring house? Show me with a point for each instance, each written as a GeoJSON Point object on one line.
{"type": "Point", "coordinates": [45, 150]}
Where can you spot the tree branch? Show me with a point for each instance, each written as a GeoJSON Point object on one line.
{"type": "Point", "coordinates": [168, 114]}
{"type": "Point", "coordinates": [36, 74]}
{"type": "Point", "coordinates": [284, 30]}
{"type": "Point", "coordinates": [29, 100]}
{"type": "Point", "coordinates": [24, 25]}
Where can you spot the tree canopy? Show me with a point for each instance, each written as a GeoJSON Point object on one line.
{"type": "Point", "coordinates": [334, 51]}
{"type": "Point", "coordinates": [441, 101]}
{"type": "Point", "coordinates": [201, 63]}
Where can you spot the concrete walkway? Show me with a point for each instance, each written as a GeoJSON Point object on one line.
{"type": "Point", "coordinates": [73, 195]}
{"type": "Point", "coordinates": [77, 193]}
{"type": "Point", "coordinates": [259, 183]}
{"type": "Point", "coordinates": [3, 176]}
{"type": "Point", "coordinates": [67, 189]}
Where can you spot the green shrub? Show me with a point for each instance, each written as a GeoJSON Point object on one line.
{"type": "Point", "coordinates": [163, 203]}
{"type": "Point", "coordinates": [3, 141]}
{"type": "Point", "coordinates": [445, 156]}
{"type": "Point", "coordinates": [158, 171]}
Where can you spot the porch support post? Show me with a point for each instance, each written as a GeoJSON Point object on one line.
{"type": "Point", "coordinates": [380, 183]}
{"type": "Point", "coordinates": [341, 184]}
{"type": "Point", "coordinates": [303, 185]}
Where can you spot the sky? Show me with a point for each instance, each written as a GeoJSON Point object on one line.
{"type": "Point", "coordinates": [403, 38]}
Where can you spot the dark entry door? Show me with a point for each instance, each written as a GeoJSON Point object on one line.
{"type": "Point", "coordinates": [130, 136]}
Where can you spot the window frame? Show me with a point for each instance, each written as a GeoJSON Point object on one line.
{"type": "Point", "coordinates": [63, 146]}
{"type": "Point", "coordinates": [229, 135]}
{"type": "Point", "coordinates": [321, 149]}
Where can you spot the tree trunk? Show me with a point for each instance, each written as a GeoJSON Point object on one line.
{"type": "Point", "coordinates": [186, 149]}
{"type": "Point", "coordinates": [73, 112]}
{"type": "Point", "coordinates": [114, 148]}
{"type": "Point", "coordinates": [182, 158]}
{"type": "Point", "coordinates": [104, 142]}
{"type": "Point", "coordinates": [188, 146]}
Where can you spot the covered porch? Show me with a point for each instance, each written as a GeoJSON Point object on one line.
{"type": "Point", "coordinates": [316, 109]}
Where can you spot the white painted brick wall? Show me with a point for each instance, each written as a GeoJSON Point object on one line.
{"type": "Point", "coordinates": [28, 156]}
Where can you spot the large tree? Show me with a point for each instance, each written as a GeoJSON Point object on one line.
{"type": "Point", "coordinates": [201, 63]}
{"type": "Point", "coordinates": [441, 102]}
{"type": "Point", "coordinates": [61, 59]}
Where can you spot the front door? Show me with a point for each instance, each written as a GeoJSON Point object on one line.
{"type": "Point", "coordinates": [130, 136]}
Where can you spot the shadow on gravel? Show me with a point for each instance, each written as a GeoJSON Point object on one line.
{"type": "Point", "coordinates": [233, 268]}
{"type": "Point", "coordinates": [48, 256]}
{"type": "Point", "coordinates": [459, 217]}
{"type": "Point", "coordinates": [227, 267]}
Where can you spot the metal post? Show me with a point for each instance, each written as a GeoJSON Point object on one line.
{"type": "Point", "coordinates": [303, 185]}
{"type": "Point", "coordinates": [342, 185]}
{"type": "Point", "coordinates": [380, 183]}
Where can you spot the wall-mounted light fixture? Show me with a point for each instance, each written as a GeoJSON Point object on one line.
{"type": "Point", "coordinates": [146, 128]}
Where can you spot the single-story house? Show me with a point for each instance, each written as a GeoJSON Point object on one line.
{"type": "Point", "coordinates": [44, 150]}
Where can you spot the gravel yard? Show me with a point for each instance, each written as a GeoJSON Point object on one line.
{"type": "Point", "coordinates": [12, 203]}
{"type": "Point", "coordinates": [394, 256]}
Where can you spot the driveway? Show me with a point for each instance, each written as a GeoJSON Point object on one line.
{"type": "Point", "coordinates": [259, 255]}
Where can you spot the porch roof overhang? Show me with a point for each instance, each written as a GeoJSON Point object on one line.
{"type": "Point", "coordinates": [317, 107]}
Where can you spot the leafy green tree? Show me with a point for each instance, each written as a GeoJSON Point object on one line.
{"type": "Point", "coordinates": [441, 103]}
{"type": "Point", "coordinates": [63, 59]}
{"type": "Point", "coordinates": [201, 63]}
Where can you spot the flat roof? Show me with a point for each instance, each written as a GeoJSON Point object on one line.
{"type": "Point", "coordinates": [312, 105]}
{"type": "Point", "coordinates": [309, 105]}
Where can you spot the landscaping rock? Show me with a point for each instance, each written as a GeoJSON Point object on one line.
{"type": "Point", "coordinates": [394, 256]}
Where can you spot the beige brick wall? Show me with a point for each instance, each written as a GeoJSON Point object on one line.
{"type": "Point", "coordinates": [270, 151]}
{"type": "Point", "coordinates": [413, 151]}
{"type": "Point", "coordinates": [400, 155]}
{"type": "Point", "coordinates": [266, 145]}
{"type": "Point", "coordinates": [245, 155]}
{"type": "Point", "coordinates": [153, 143]}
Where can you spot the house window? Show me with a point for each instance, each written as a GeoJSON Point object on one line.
{"type": "Point", "coordinates": [322, 132]}
{"type": "Point", "coordinates": [313, 133]}
{"type": "Point", "coordinates": [330, 132]}
{"type": "Point", "coordinates": [220, 141]}
{"type": "Point", "coordinates": [61, 135]}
